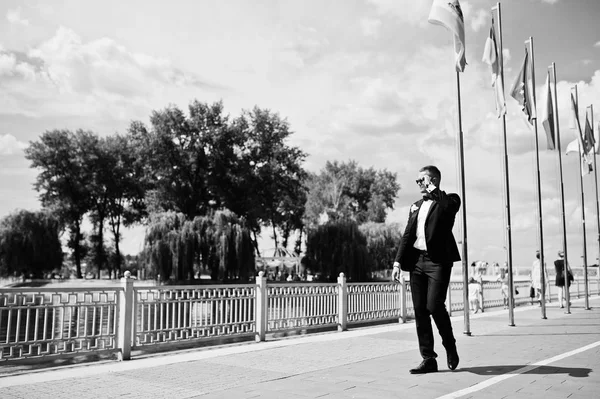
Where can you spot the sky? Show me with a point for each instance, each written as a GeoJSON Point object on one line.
{"type": "Point", "coordinates": [364, 80]}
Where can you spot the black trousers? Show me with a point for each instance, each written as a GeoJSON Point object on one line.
{"type": "Point", "coordinates": [429, 284]}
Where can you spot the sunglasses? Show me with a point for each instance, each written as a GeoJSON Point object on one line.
{"type": "Point", "coordinates": [422, 180]}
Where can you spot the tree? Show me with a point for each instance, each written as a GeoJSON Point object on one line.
{"type": "Point", "coordinates": [204, 163]}
{"type": "Point", "coordinates": [338, 247]}
{"type": "Point", "coordinates": [382, 242]}
{"type": "Point", "coordinates": [162, 236]}
{"type": "Point", "coordinates": [219, 242]}
{"type": "Point", "coordinates": [274, 171]}
{"type": "Point", "coordinates": [124, 189]}
{"type": "Point", "coordinates": [345, 191]}
{"type": "Point", "coordinates": [98, 167]}
{"type": "Point", "coordinates": [174, 163]}
{"type": "Point", "coordinates": [30, 244]}
{"type": "Point", "coordinates": [63, 181]}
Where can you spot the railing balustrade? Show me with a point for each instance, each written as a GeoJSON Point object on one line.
{"type": "Point", "coordinates": [39, 322]}
{"type": "Point", "coordinates": [58, 322]}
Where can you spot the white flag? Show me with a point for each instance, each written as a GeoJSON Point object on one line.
{"type": "Point", "coordinates": [575, 146]}
{"type": "Point", "coordinates": [449, 14]}
{"type": "Point", "coordinates": [492, 57]}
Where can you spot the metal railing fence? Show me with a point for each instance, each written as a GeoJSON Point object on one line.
{"type": "Point", "coordinates": [58, 322]}
{"type": "Point", "coordinates": [39, 322]}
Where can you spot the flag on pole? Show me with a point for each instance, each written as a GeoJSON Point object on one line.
{"type": "Point", "coordinates": [522, 89]}
{"type": "Point", "coordinates": [548, 116]}
{"type": "Point", "coordinates": [575, 146]}
{"type": "Point", "coordinates": [588, 137]}
{"type": "Point", "coordinates": [597, 137]}
{"type": "Point", "coordinates": [493, 58]}
{"type": "Point", "coordinates": [576, 124]}
{"type": "Point", "coordinates": [574, 117]}
{"type": "Point", "coordinates": [586, 161]}
{"type": "Point", "coordinates": [449, 14]}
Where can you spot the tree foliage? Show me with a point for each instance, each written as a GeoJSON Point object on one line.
{"type": "Point", "coordinates": [30, 244]}
{"type": "Point", "coordinates": [274, 175]}
{"type": "Point", "coordinates": [204, 162]}
{"type": "Point", "coordinates": [346, 191]}
{"type": "Point", "coordinates": [63, 181]}
{"type": "Point", "coordinates": [338, 247]}
{"type": "Point", "coordinates": [83, 174]}
{"type": "Point", "coordinates": [382, 242]}
{"type": "Point", "coordinates": [219, 243]}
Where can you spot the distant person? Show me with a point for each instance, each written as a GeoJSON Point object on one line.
{"type": "Point", "coordinates": [559, 266]}
{"type": "Point", "coordinates": [475, 295]}
{"type": "Point", "coordinates": [481, 270]}
{"type": "Point", "coordinates": [427, 250]}
{"type": "Point", "coordinates": [503, 279]}
{"type": "Point", "coordinates": [535, 279]}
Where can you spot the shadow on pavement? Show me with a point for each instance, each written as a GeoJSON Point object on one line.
{"type": "Point", "coordinates": [509, 369]}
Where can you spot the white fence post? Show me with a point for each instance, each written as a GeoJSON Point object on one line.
{"type": "Point", "coordinates": [261, 307]}
{"type": "Point", "coordinates": [125, 317]}
{"type": "Point", "coordinates": [482, 298]}
{"type": "Point", "coordinates": [403, 295]}
{"type": "Point", "coordinates": [342, 303]}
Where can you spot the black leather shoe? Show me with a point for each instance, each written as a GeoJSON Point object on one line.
{"type": "Point", "coordinates": [453, 360]}
{"type": "Point", "coordinates": [426, 366]}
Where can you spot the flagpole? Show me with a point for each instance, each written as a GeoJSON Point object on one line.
{"type": "Point", "coordinates": [581, 160]}
{"type": "Point", "coordinates": [562, 187]}
{"type": "Point", "coordinates": [465, 263]}
{"type": "Point", "coordinates": [539, 180]}
{"type": "Point", "coordinates": [597, 204]}
{"type": "Point", "coordinates": [511, 314]}
{"type": "Point", "coordinates": [585, 263]}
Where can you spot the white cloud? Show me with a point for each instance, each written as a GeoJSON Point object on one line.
{"type": "Point", "coordinates": [370, 26]}
{"type": "Point", "coordinates": [66, 76]}
{"type": "Point", "coordinates": [597, 44]}
{"type": "Point", "coordinates": [14, 17]}
{"type": "Point", "coordinates": [409, 11]}
{"type": "Point", "coordinates": [305, 48]}
{"type": "Point", "coordinates": [9, 145]}
{"type": "Point", "coordinates": [480, 19]}
{"type": "Point", "coordinates": [7, 64]}
{"type": "Point", "coordinates": [550, 1]}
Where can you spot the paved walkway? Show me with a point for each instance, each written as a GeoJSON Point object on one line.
{"type": "Point", "coordinates": [554, 358]}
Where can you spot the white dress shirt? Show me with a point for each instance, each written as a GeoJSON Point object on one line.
{"type": "Point", "coordinates": [421, 243]}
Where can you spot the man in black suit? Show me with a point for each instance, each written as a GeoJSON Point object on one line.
{"type": "Point", "coordinates": [427, 250]}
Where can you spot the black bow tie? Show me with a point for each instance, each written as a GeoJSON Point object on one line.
{"type": "Point", "coordinates": [427, 197]}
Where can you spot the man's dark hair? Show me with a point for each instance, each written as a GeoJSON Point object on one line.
{"type": "Point", "coordinates": [537, 254]}
{"type": "Point", "coordinates": [433, 171]}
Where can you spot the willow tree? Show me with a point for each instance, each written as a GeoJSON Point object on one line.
{"type": "Point", "coordinates": [382, 242]}
{"type": "Point", "coordinates": [235, 249]}
{"type": "Point", "coordinates": [30, 243]}
{"type": "Point", "coordinates": [220, 243]}
{"type": "Point", "coordinates": [162, 236]}
{"type": "Point", "coordinates": [338, 247]}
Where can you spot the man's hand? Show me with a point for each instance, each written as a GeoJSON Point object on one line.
{"type": "Point", "coordinates": [396, 272]}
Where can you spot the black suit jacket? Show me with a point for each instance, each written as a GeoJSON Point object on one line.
{"type": "Point", "coordinates": [441, 245]}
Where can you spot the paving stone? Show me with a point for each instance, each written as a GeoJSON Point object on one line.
{"type": "Point", "coordinates": [372, 364]}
